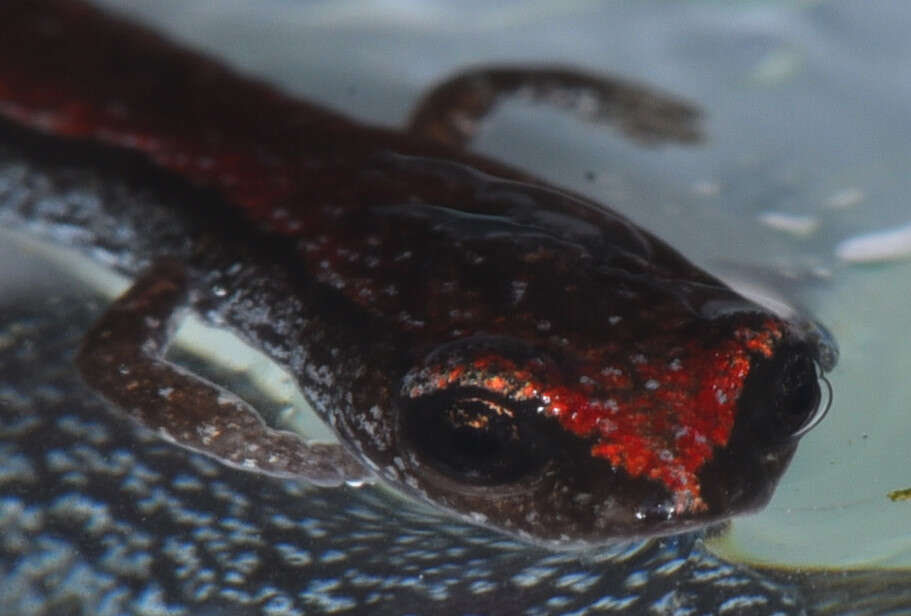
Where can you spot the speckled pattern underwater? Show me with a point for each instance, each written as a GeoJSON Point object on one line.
{"type": "Point", "coordinates": [97, 517]}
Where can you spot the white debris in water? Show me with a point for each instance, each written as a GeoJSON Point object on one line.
{"type": "Point", "coordinates": [845, 199]}
{"type": "Point", "coordinates": [777, 67]}
{"type": "Point", "coordinates": [707, 188]}
{"type": "Point", "coordinates": [880, 246]}
{"type": "Point", "coordinates": [796, 224]}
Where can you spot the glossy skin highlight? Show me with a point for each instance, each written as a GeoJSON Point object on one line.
{"type": "Point", "coordinates": [510, 352]}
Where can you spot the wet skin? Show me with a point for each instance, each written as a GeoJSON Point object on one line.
{"type": "Point", "coordinates": [505, 350]}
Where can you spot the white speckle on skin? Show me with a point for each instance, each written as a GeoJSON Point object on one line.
{"type": "Point", "coordinates": [207, 433]}
{"type": "Point", "coordinates": [582, 498]}
{"type": "Point", "coordinates": [321, 375]}
{"type": "Point", "coordinates": [518, 290]}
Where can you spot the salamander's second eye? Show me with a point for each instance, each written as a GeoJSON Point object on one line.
{"type": "Point", "coordinates": [797, 395]}
{"type": "Point", "coordinates": [784, 396]}
{"type": "Point", "coordinates": [472, 437]}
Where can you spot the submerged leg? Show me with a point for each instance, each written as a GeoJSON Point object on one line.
{"type": "Point", "coordinates": [122, 358]}
{"type": "Point", "coordinates": [451, 112]}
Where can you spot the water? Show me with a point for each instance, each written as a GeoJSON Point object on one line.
{"type": "Point", "coordinates": [806, 119]}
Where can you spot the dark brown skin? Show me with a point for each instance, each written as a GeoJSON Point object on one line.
{"type": "Point", "coordinates": [508, 351]}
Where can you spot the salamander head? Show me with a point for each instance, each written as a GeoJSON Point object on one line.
{"type": "Point", "coordinates": [626, 444]}
{"type": "Point", "coordinates": [559, 374]}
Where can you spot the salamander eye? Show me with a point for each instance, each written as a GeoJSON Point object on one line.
{"type": "Point", "coordinates": [792, 396]}
{"type": "Point", "coordinates": [471, 436]}
{"type": "Point", "coordinates": [797, 396]}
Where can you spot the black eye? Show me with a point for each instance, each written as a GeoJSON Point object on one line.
{"type": "Point", "coordinates": [797, 394]}
{"type": "Point", "coordinates": [784, 395]}
{"type": "Point", "coordinates": [473, 437]}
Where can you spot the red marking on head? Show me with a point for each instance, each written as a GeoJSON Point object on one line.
{"type": "Point", "coordinates": [657, 418]}
{"type": "Point", "coordinates": [760, 341]}
{"type": "Point", "coordinates": [667, 428]}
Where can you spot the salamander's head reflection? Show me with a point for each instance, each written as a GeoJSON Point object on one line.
{"type": "Point", "coordinates": [564, 450]}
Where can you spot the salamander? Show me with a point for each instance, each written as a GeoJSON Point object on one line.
{"type": "Point", "coordinates": [503, 349]}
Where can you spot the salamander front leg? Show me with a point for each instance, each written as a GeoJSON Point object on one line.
{"type": "Point", "coordinates": [122, 358]}
{"type": "Point", "coordinates": [452, 111]}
